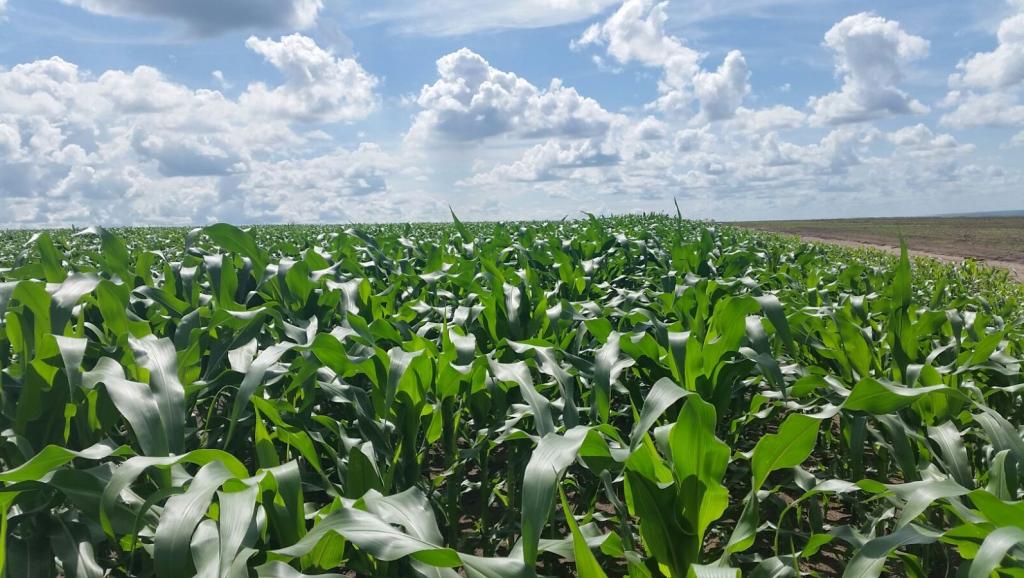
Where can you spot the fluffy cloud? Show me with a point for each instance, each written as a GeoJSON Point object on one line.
{"type": "Point", "coordinates": [636, 33]}
{"type": "Point", "coordinates": [3, 6]}
{"type": "Point", "coordinates": [187, 155]}
{"type": "Point", "coordinates": [133, 146]}
{"type": "Point", "coordinates": [337, 186]}
{"type": "Point", "coordinates": [871, 54]}
{"type": "Point", "coordinates": [1003, 67]}
{"type": "Point", "coordinates": [472, 100]}
{"type": "Point", "coordinates": [721, 170]}
{"type": "Point", "coordinates": [206, 18]}
{"type": "Point", "coordinates": [318, 87]}
{"type": "Point", "coordinates": [72, 142]}
{"type": "Point", "coordinates": [454, 17]}
{"type": "Point", "coordinates": [991, 109]}
{"type": "Point", "coordinates": [920, 137]}
{"type": "Point", "coordinates": [763, 154]}
{"type": "Point", "coordinates": [549, 161]}
{"type": "Point", "coordinates": [773, 118]}
{"type": "Point", "coordinates": [985, 91]}
{"type": "Point", "coordinates": [721, 92]}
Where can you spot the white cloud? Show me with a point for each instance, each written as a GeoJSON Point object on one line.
{"type": "Point", "coordinates": [723, 168]}
{"type": "Point", "coordinates": [991, 109]}
{"type": "Point", "coordinates": [206, 18]}
{"type": "Point", "coordinates": [334, 187]}
{"type": "Point", "coordinates": [636, 33]}
{"type": "Point", "coordinates": [921, 138]}
{"type": "Point", "coordinates": [650, 128]}
{"type": "Point", "coordinates": [319, 86]}
{"type": "Point", "coordinates": [455, 17]}
{"type": "Point", "coordinates": [3, 7]}
{"type": "Point", "coordinates": [180, 155]}
{"type": "Point", "coordinates": [10, 141]}
{"type": "Point", "coordinates": [472, 100]}
{"type": "Point", "coordinates": [1002, 68]}
{"type": "Point", "coordinates": [773, 118]}
{"type": "Point", "coordinates": [986, 89]}
{"type": "Point", "coordinates": [871, 54]}
{"type": "Point", "coordinates": [222, 81]}
{"type": "Point", "coordinates": [550, 160]}
{"type": "Point", "coordinates": [721, 92]}
{"type": "Point", "coordinates": [135, 147]}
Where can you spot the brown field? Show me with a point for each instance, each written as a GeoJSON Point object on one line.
{"type": "Point", "coordinates": [998, 241]}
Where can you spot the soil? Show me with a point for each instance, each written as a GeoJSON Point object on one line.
{"type": "Point", "coordinates": [996, 241]}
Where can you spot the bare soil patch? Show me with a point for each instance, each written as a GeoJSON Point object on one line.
{"type": "Point", "coordinates": [996, 241]}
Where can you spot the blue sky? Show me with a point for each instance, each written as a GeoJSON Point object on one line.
{"type": "Point", "coordinates": [149, 112]}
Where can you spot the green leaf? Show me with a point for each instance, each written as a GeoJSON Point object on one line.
{"type": "Point", "coordinates": [53, 457]}
{"type": "Point", "coordinates": [234, 239]}
{"type": "Point", "coordinates": [376, 537]}
{"type": "Point", "coordinates": [664, 393]}
{"type": "Point", "coordinates": [252, 381]}
{"type": "Point", "coordinates": [159, 357]}
{"type": "Point", "coordinates": [870, 558]}
{"type": "Point", "coordinates": [586, 564]}
{"type": "Point", "coordinates": [549, 461]}
{"type": "Point", "coordinates": [699, 460]}
{"type": "Point", "coordinates": [993, 550]}
{"type": "Point", "coordinates": [52, 259]}
{"type": "Point", "coordinates": [793, 443]}
{"type": "Point", "coordinates": [276, 569]}
{"type": "Point", "coordinates": [72, 543]}
{"type": "Point", "coordinates": [879, 398]}
{"type": "Point", "coordinates": [182, 514]}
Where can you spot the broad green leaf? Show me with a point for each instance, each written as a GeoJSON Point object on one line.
{"type": "Point", "coordinates": [789, 447]}
{"type": "Point", "coordinates": [586, 564]}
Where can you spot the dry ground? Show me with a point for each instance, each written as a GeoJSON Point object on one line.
{"type": "Point", "coordinates": [998, 241]}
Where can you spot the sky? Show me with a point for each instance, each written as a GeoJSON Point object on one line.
{"type": "Point", "coordinates": [148, 112]}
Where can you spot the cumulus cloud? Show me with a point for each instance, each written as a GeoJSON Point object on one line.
{"type": "Point", "coordinates": [318, 87]}
{"type": "Point", "coordinates": [472, 100]}
{"type": "Point", "coordinates": [71, 142]}
{"type": "Point", "coordinates": [179, 155]}
{"type": "Point", "coordinates": [721, 92]}
{"type": "Point", "coordinates": [636, 33]}
{"type": "Point", "coordinates": [1003, 67]}
{"type": "Point", "coordinates": [333, 187]}
{"type": "Point", "coordinates": [549, 161]}
{"type": "Point", "coordinates": [985, 90]}
{"type": "Point", "coordinates": [723, 169]}
{"type": "Point", "coordinates": [133, 146]}
{"type": "Point", "coordinates": [921, 138]}
{"type": "Point", "coordinates": [871, 54]}
{"type": "Point", "coordinates": [772, 118]}
{"type": "Point", "coordinates": [207, 18]}
{"type": "Point", "coordinates": [995, 109]}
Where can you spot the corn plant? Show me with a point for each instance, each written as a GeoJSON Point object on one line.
{"type": "Point", "coordinates": [637, 396]}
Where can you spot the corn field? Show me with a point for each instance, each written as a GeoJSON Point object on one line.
{"type": "Point", "coordinates": [635, 396]}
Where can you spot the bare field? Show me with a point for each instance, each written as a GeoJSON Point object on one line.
{"type": "Point", "coordinates": [998, 241]}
